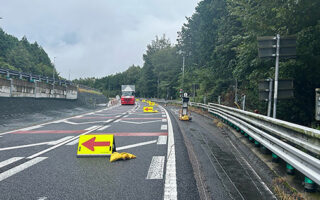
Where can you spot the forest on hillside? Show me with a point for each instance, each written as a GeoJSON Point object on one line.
{"type": "Point", "coordinates": [219, 43]}
{"type": "Point", "coordinates": [21, 55]}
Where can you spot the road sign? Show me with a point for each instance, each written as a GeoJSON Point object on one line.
{"type": "Point", "coordinates": [267, 46]}
{"type": "Point", "coordinates": [95, 145]}
{"type": "Point", "coordinates": [285, 89]}
{"type": "Point", "coordinates": [143, 100]}
{"type": "Point", "coordinates": [149, 109]}
{"type": "Point", "coordinates": [151, 103]}
{"type": "Point", "coordinates": [137, 100]}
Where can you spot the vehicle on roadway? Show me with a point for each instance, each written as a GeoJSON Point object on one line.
{"type": "Point", "coordinates": [127, 97]}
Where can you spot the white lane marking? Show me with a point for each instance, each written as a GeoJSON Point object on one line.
{"type": "Point", "coordinates": [117, 116]}
{"type": "Point", "coordinates": [170, 186]}
{"type": "Point", "coordinates": [135, 145]}
{"type": "Point", "coordinates": [103, 128]}
{"type": "Point", "coordinates": [164, 120]}
{"type": "Point", "coordinates": [78, 116]}
{"type": "Point", "coordinates": [92, 127]}
{"type": "Point", "coordinates": [19, 168]}
{"type": "Point", "coordinates": [9, 161]}
{"type": "Point", "coordinates": [146, 122]}
{"type": "Point", "coordinates": [118, 120]}
{"type": "Point", "coordinates": [162, 139]}
{"type": "Point", "coordinates": [109, 120]}
{"type": "Point", "coordinates": [23, 146]}
{"type": "Point", "coordinates": [164, 127]}
{"type": "Point", "coordinates": [164, 116]}
{"type": "Point", "coordinates": [156, 168]}
{"type": "Point", "coordinates": [42, 198]}
{"type": "Point", "coordinates": [56, 121]}
{"type": "Point", "coordinates": [60, 140]}
{"type": "Point", "coordinates": [31, 128]}
{"type": "Point", "coordinates": [73, 142]}
{"type": "Point", "coordinates": [76, 123]}
{"type": "Point", "coordinates": [60, 144]}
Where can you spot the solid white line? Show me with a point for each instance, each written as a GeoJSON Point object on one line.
{"type": "Point", "coordinates": [156, 168]}
{"type": "Point", "coordinates": [164, 120]}
{"type": "Point", "coordinates": [164, 127]}
{"type": "Point", "coordinates": [146, 122]}
{"type": "Point", "coordinates": [20, 168]}
{"type": "Point", "coordinates": [92, 127]}
{"type": "Point", "coordinates": [162, 139]}
{"type": "Point", "coordinates": [23, 146]}
{"type": "Point", "coordinates": [60, 144]}
{"type": "Point", "coordinates": [118, 120]}
{"type": "Point", "coordinates": [60, 140]}
{"type": "Point", "coordinates": [73, 142]}
{"type": "Point", "coordinates": [109, 120]}
{"type": "Point", "coordinates": [164, 116]}
{"type": "Point", "coordinates": [9, 161]}
{"type": "Point", "coordinates": [31, 128]}
{"type": "Point", "coordinates": [103, 128]}
{"type": "Point", "coordinates": [136, 145]}
{"type": "Point", "coordinates": [170, 186]}
{"type": "Point", "coordinates": [52, 122]}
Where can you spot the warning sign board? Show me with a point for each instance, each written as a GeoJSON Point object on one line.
{"type": "Point", "coordinates": [95, 145]}
{"type": "Point", "coordinates": [143, 100]}
{"type": "Point", "coordinates": [149, 109]}
{"type": "Point", "coordinates": [137, 99]}
{"type": "Point", "coordinates": [151, 103]}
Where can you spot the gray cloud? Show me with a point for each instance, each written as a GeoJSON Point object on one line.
{"type": "Point", "coordinates": [94, 38]}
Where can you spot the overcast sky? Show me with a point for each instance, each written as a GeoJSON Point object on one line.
{"type": "Point", "coordinates": [94, 38]}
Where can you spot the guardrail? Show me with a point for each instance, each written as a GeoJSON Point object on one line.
{"type": "Point", "coordinates": [297, 145]}
{"type": "Point", "coordinates": [33, 77]}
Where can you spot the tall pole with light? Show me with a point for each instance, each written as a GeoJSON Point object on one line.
{"type": "Point", "coordinates": [54, 63]}
{"type": "Point", "coordinates": [180, 52]}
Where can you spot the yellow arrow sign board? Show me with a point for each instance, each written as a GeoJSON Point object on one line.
{"type": "Point", "coordinates": [95, 145]}
{"type": "Point", "coordinates": [151, 103]}
{"type": "Point", "coordinates": [149, 109]}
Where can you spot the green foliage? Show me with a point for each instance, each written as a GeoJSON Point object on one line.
{"type": "Point", "coordinates": [23, 56]}
{"type": "Point", "coordinates": [219, 43]}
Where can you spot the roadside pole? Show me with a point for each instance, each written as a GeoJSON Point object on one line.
{"type": "Point", "coordinates": [275, 96]}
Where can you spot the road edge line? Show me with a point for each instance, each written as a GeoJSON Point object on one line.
{"type": "Point", "coordinates": [170, 185]}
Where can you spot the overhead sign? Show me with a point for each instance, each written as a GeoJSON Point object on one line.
{"type": "Point", "coordinates": [285, 89]}
{"type": "Point", "coordinates": [95, 145]}
{"type": "Point", "coordinates": [267, 46]}
{"type": "Point", "coordinates": [149, 109]}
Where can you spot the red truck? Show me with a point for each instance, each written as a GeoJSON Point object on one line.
{"type": "Point", "coordinates": [127, 97]}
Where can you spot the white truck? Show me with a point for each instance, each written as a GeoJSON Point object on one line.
{"type": "Point", "coordinates": [128, 92]}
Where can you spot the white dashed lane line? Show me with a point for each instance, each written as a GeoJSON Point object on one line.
{"type": "Point", "coordinates": [162, 139]}
{"type": "Point", "coordinates": [156, 168]}
{"type": "Point", "coordinates": [164, 127]}
{"type": "Point", "coordinates": [9, 161]}
{"type": "Point", "coordinates": [19, 168]}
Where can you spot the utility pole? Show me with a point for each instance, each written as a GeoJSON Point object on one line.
{"type": "Point", "coordinates": [276, 76]}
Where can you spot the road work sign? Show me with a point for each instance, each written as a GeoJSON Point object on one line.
{"type": "Point", "coordinates": [95, 145]}
{"type": "Point", "coordinates": [149, 109]}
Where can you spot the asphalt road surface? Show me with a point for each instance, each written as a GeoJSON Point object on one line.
{"type": "Point", "coordinates": [40, 162]}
